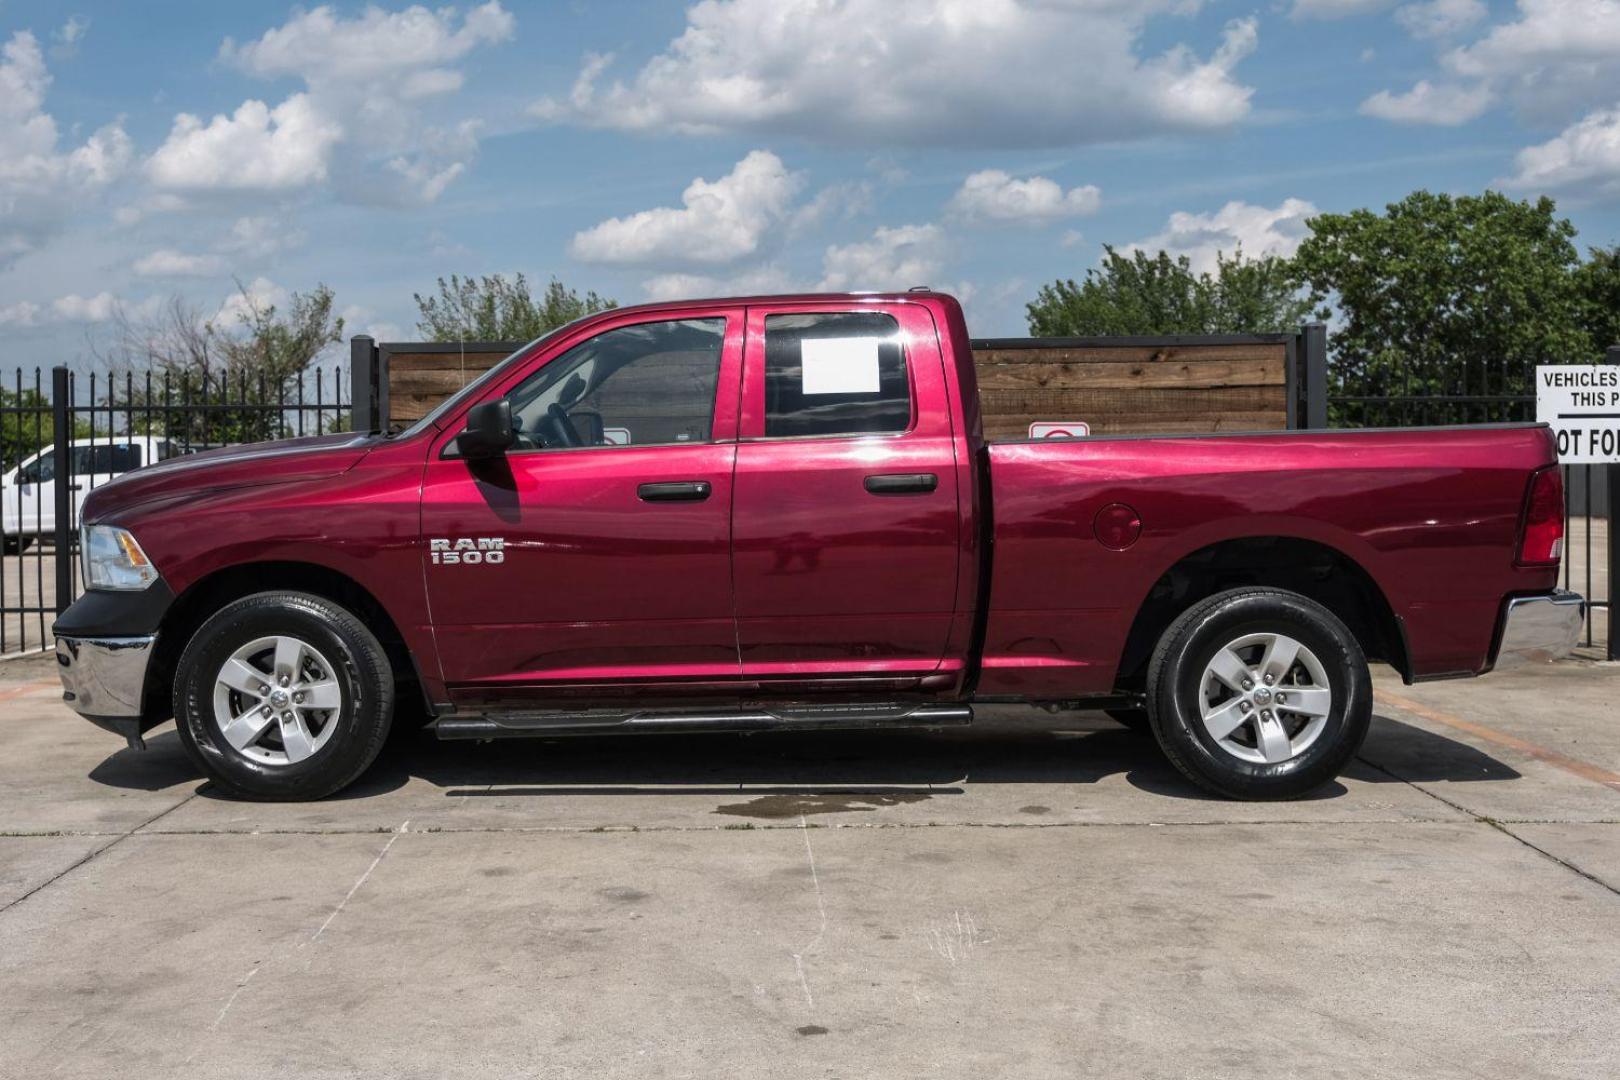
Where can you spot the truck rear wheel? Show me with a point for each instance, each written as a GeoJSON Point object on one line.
{"type": "Point", "coordinates": [283, 696]}
{"type": "Point", "coordinates": [1259, 694]}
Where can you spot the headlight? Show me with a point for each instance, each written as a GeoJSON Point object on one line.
{"type": "Point", "coordinates": [113, 560]}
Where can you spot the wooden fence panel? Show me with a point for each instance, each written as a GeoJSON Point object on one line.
{"type": "Point", "coordinates": [1118, 386]}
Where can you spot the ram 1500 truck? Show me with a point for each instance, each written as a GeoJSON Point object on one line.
{"type": "Point", "coordinates": [781, 513]}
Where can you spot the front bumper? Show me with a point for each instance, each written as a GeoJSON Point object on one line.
{"type": "Point", "coordinates": [104, 680]}
{"type": "Point", "coordinates": [1536, 629]}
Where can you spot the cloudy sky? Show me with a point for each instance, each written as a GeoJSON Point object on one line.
{"type": "Point", "coordinates": [649, 150]}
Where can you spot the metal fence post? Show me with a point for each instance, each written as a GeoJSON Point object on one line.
{"type": "Point", "coordinates": [62, 440]}
{"type": "Point", "coordinates": [1613, 472]}
{"type": "Point", "coordinates": [365, 397]}
{"type": "Point", "coordinates": [1313, 340]}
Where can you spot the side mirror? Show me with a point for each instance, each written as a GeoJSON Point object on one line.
{"type": "Point", "coordinates": [489, 432]}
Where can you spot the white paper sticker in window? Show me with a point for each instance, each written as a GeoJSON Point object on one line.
{"type": "Point", "coordinates": [840, 365]}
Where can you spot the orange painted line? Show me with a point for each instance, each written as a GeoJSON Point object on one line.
{"type": "Point", "coordinates": [28, 688]}
{"type": "Point", "coordinates": [1575, 766]}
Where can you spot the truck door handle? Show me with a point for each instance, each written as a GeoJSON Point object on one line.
{"type": "Point", "coordinates": [901, 483]}
{"type": "Point", "coordinates": [674, 491]}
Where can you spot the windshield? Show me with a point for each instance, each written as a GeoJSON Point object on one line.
{"type": "Point", "coordinates": [480, 384]}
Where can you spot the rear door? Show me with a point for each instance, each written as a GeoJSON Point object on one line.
{"type": "Point", "coordinates": [845, 525]}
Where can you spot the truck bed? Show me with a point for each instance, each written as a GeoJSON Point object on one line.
{"type": "Point", "coordinates": [1431, 515]}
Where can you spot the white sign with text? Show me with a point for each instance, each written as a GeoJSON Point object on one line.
{"type": "Point", "coordinates": [1582, 403]}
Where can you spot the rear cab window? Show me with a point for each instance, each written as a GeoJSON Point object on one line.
{"type": "Point", "coordinates": [835, 373]}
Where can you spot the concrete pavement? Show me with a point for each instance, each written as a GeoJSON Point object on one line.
{"type": "Point", "coordinates": [1036, 896]}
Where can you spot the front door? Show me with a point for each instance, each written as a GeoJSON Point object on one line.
{"type": "Point", "coordinates": [594, 556]}
{"type": "Point", "coordinates": [846, 529]}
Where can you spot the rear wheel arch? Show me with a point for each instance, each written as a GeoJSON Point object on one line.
{"type": "Point", "coordinates": [208, 595]}
{"type": "Point", "coordinates": [1318, 571]}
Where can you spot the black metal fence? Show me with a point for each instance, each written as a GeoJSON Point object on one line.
{"type": "Point", "coordinates": [62, 433]}
{"type": "Point", "coordinates": [1494, 394]}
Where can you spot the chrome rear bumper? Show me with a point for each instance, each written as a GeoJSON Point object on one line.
{"type": "Point", "coordinates": [104, 680]}
{"type": "Point", "coordinates": [1536, 629]}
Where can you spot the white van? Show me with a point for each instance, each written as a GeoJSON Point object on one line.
{"type": "Point", "coordinates": [28, 492]}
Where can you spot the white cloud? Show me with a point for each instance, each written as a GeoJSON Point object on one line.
{"type": "Point", "coordinates": [897, 257]}
{"type": "Point", "coordinates": [319, 46]}
{"type": "Point", "coordinates": [1554, 60]}
{"type": "Point", "coordinates": [257, 149]}
{"type": "Point", "coordinates": [754, 281]}
{"type": "Point", "coordinates": [1558, 55]}
{"type": "Point", "coordinates": [75, 308]}
{"type": "Point", "coordinates": [1018, 73]}
{"type": "Point", "coordinates": [22, 313]}
{"type": "Point", "coordinates": [1584, 158]}
{"type": "Point", "coordinates": [41, 186]}
{"type": "Point", "coordinates": [1444, 104]}
{"type": "Point", "coordinates": [1257, 230]}
{"type": "Point", "coordinates": [260, 237]}
{"type": "Point", "coordinates": [261, 293]}
{"type": "Point", "coordinates": [168, 263]}
{"type": "Point", "coordinates": [993, 195]}
{"type": "Point", "coordinates": [361, 121]}
{"type": "Point", "coordinates": [1336, 9]}
{"type": "Point", "coordinates": [68, 36]}
{"type": "Point", "coordinates": [1440, 18]}
{"type": "Point", "coordinates": [719, 221]}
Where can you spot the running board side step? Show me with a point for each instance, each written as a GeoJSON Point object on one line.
{"type": "Point", "coordinates": [541, 724]}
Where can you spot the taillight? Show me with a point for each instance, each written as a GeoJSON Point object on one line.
{"type": "Point", "coordinates": [1541, 533]}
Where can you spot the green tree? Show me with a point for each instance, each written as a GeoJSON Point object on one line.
{"type": "Point", "coordinates": [1159, 294]}
{"type": "Point", "coordinates": [1446, 294]}
{"type": "Point", "coordinates": [493, 308]}
{"type": "Point", "coordinates": [1598, 284]}
{"type": "Point", "coordinates": [236, 370]}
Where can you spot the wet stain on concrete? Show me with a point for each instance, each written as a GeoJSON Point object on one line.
{"type": "Point", "coordinates": [811, 1029]}
{"type": "Point", "coordinates": [792, 806]}
{"type": "Point", "coordinates": [1034, 809]}
{"type": "Point", "coordinates": [497, 871]}
{"type": "Point", "coordinates": [623, 893]}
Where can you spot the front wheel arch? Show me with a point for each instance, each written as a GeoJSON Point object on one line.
{"type": "Point", "coordinates": [208, 595]}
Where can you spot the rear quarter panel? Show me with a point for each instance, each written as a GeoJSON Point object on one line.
{"type": "Point", "coordinates": [1431, 515]}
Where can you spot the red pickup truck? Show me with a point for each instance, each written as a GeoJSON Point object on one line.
{"type": "Point", "coordinates": [781, 513]}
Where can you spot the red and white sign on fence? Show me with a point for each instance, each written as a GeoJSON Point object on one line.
{"type": "Point", "coordinates": [1059, 429]}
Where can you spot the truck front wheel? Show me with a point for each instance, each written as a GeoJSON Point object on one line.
{"type": "Point", "coordinates": [283, 696]}
{"type": "Point", "coordinates": [1259, 694]}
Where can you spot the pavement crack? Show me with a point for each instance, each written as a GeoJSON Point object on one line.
{"type": "Point", "coordinates": [92, 855]}
{"type": "Point", "coordinates": [1499, 825]}
{"type": "Point", "coordinates": [361, 880]}
{"type": "Point", "coordinates": [821, 907]}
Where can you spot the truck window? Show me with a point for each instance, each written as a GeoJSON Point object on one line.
{"type": "Point", "coordinates": [840, 373]}
{"type": "Point", "coordinates": [102, 459]}
{"type": "Point", "coordinates": [42, 470]}
{"type": "Point", "coordinates": [649, 384]}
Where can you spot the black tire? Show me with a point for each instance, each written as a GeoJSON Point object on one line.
{"type": "Point", "coordinates": [1176, 676]}
{"type": "Point", "coordinates": [16, 545]}
{"type": "Point", "coordinates": [364, 679]}
{"type": "Point", "coordinates": [1133, 720]}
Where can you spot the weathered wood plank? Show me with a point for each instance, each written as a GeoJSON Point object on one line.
{"type": "Point", "coordinates": [1250, 371]}
{"type": "Point", "coordinates": [1170, 354]}
{"type": "Point", "coordinates": [1066, 403]}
